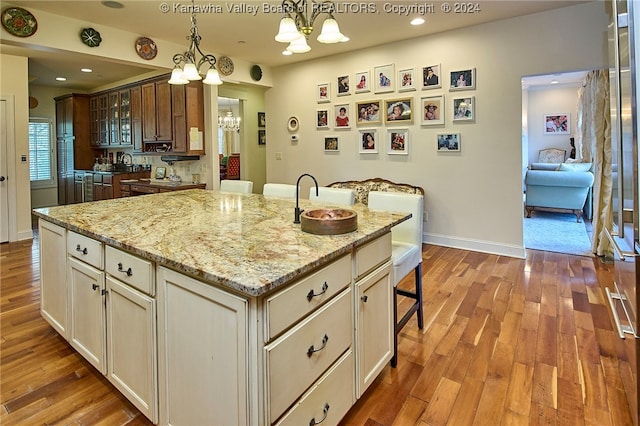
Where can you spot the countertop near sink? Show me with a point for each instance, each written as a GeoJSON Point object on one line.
{"type": "Point", "coordinates": [243, 242]}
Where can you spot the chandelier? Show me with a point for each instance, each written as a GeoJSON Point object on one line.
{"type": "Point", "coordinates": [229, 122]}
{"type": "Point", "coordinates": [187, 65]}
{"type": "Point", "coordinates": [297, 24]}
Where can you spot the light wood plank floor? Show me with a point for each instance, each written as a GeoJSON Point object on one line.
{"type": "Point", "coordinates": [506, 342]}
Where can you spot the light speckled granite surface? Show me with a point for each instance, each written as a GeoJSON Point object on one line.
{"type": "Point", "coordinates": [243, 242]}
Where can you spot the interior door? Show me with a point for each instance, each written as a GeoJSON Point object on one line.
{"type": "Point", "coordinates": [4, 191]}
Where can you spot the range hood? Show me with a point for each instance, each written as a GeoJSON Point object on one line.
{"type": "Point", "coordinates": [170, 159]}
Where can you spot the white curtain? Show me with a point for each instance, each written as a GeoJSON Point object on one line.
{"type": "Point", "coordinates": [593, 142]}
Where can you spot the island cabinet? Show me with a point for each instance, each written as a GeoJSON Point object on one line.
{"type": "Point", "coordinates": [302, 355]}
{"type": "Point", "coordinates": [53, 271]}
{"type": "Point", "coordinates": [102, 301]}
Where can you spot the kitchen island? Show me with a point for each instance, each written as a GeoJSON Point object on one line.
{"type": "Point", "coordinates": [214, 308]}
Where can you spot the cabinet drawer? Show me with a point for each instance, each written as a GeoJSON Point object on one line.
{"type": "Point", "coordinates": [287, 306]}
{"type": "Point", "coordinates": [373, 254]}
{"type": "Point", "coordinates": [291, 367]}
{"type": "Point", "coordinates": [86, 249]}
{"type": "Point", "coordinates": [108, 179]}
{"type": "Point", "coordinates": [144, 189]}
{"type": "Point", "coordinates": [333, 393]}
{"type": "Point", "coordinates": [130, 269]}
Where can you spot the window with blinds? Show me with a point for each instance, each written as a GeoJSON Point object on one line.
{"type": "Point", "coordinates": [41, 154]}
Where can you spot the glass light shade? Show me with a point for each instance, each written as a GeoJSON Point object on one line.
{"type": "Point", "coordinates": [176, 77]}
{"type": "Point", "coordinates": [330, 32]}
{"type": "Point", "coordinates": [190, 72]}
{"type": "Point", "coordinates": [212, 78]}
{"type": "Point", "coordinates": [299, 46]}
{"type": "Point", "coordinates": [288, 31]}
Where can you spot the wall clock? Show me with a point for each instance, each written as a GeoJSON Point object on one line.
{"type": "Point", "coordinates": [225, 65]}
{"type": "Point", "coordinates": [19, 22]}
{"type": "Point", "coordinates": [90, 37]}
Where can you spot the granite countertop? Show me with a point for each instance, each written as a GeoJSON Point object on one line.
{"type": "Point", "coordinates": [243, 242]}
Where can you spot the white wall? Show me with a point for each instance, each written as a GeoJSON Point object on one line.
{"type": "Point", "coordinates": [474, 197]}
{"type": "Point", "coordinates": [550, 100]}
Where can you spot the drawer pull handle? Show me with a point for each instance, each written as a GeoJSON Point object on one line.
{"type": "Point", "coordinates": [311, 294]}
{"type": "Point", "coordinates": [364, 298]}
{"type": "Point", "coordinates": [311, 349]}
{"type": "Point", "coordinates": [129, 272]}
{"type": "Point", "coordinates": [313, 422]}
{"type": "Point", "coordinates": [81, 250]}
{"type": "Point", "coordinates": [94, 286]}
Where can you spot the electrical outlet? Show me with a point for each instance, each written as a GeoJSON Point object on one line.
{"type": "Point", "coordinates": [278, 156]}
{"type": "Point", "coordinates": [426, 216]}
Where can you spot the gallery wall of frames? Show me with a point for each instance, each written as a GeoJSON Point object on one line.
{"type": "Point", "coordinates": [383, 102]}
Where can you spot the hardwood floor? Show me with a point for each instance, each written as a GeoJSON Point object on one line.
{"type": "Point", "coordinates": [506, 342]}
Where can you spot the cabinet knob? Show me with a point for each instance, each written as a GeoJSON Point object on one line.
{"type": "Point", "coordinates": [311, 294]}
{"type": "Point", "coordinates": [364, 298]}
{"type": "Point", "coordinates": [95, 286]}
{"type": "Point", "coordinates": [325, 411]}
{"type": "Point", "coordinates": [81, 250]}
{"type": "Point", "coordinates": [312, 349]}
{"type": "Point", "coordinates": [128, 271]}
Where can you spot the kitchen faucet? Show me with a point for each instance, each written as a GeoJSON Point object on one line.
{"type": "Point", "coordinates": [298, 212]}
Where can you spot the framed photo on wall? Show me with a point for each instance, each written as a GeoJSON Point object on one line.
{"type": "Point", "coordinates": [368, 141]}
{"type": "Point", "coordinates": [448, 142]}
{"type": "Point", "coordinates": [464, 109]}
{"type": "Point", "coordinates": [432, 110]}
{"type": "Point", "coordinates": [343, 86]}
{"type": "Point", "coordinates": [342, 119]}
{"type": "Point", "coordinates": [262, 119]}
{"type": "Point", "coordinates": [322, 119]}
{"type": "Point", "coordinates": [557, 124]}
{"type": "Point", "coordinates": [464, 79]}
{"type": "Point", "coordinates": [262, 137]}
{"type": "Point", "coordinates": [431, 77]}
{"type": "Point", "coordinates": [368, 112]}
{"type": "Point", "coordinates": [324, 92]}
{"type": "Point", "coordinates": [398, 110]}
{"type": "Point", "coordinates": [398, 141]}
{"type": "Point", "coordinates": [331, 144]}
{"type": "Point", "coordinates": [407, 80]}
{"type": "Point", "coordinates": [362, 82]}
{"type": "Point", "coordinates": [384, 78]}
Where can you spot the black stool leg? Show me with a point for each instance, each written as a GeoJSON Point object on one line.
{"type": "Point", "coordinates": [394, 359]}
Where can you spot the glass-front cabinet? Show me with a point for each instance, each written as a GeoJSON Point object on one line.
{"type": "Point", "coordinates": [125, 117]}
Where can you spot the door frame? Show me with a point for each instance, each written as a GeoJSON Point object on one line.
{"type": "Point", "coordinates": [8, 139]}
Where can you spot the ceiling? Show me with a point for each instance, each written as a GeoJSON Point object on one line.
{"type": "Point", "coordinates": [242, 34]}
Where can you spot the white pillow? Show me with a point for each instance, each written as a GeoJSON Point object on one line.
{"type": "Point", "coordinates": [575, 167]}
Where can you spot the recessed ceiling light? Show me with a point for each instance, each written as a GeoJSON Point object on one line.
{"type": "Point", "coordinates": [86, 70]}
{"type": "Point", "coordinates": [112, 4]}
{"type": "Point", "coordinates": [287, 53]}
{"type": "Point", "coordinates": [417, 21]}
{"type": "Point", "coordinates": [554, 81]}
{"type": "Point", "coordinates": [61, 79]}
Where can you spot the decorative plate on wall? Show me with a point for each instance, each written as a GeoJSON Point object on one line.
{"type": "Point", "coordinates": [19, 22]}
{"type": "Point", "coordinates": [256, 72]}
{"type": "Point", "coordinates": [90, 37]}
{"type": "Point", "coordinates": [225, 65]}
{"type": "Point", "coordinates": [146, 48]}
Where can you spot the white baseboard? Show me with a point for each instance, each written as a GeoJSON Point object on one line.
{"type": "Point", "coordinates": [475, 245]}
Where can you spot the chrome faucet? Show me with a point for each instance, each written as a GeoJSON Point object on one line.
{"type": "Point", "coordinates": [298, 212]}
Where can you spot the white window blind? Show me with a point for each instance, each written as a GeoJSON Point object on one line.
{"type": "Point", "coordinates": [41, 156]}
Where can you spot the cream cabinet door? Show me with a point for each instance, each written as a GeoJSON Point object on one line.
{"type": "Point", "coordinates": [131, 345]}
{"type": "Point", "coordinates": [53, 276]}
{"type": "Point", "coordinates": [203, 353]}
{"type": "Point", "coordinates": [375, 328]}
{"type": "Point", "coordinates": [87, 313]}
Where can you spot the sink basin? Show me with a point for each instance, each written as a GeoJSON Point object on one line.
{"type": "Point", "coordinates": [329, 221]}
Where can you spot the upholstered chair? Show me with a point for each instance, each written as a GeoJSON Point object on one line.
{"type": "Point", "coordinates": [233, 167]}
{"type": "Point", "coordinates": [340, 196]}
{"type": "Point", "coordinates": [280, 190]}
{"type": "Point", "coordinates": [242, 186]}
{"type": "Point", "coordinates": [406, 253]}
